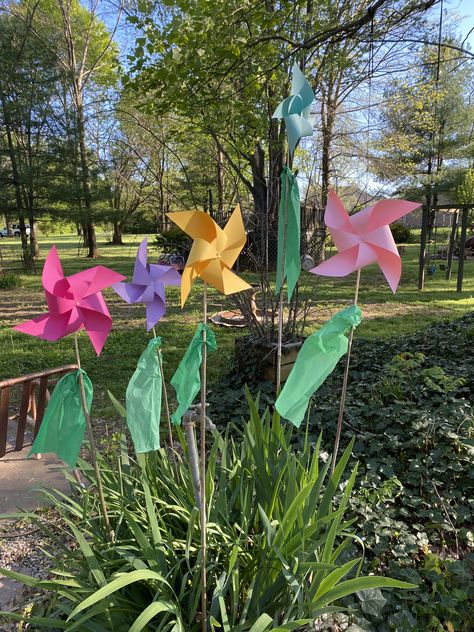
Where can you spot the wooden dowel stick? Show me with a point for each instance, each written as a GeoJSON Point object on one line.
{"type": "Point", "coordinates": [92, 446]}
{"type": "Point", "coordinates": [203, 510]}
{"type": "Point", "coordinates": [342, 403]}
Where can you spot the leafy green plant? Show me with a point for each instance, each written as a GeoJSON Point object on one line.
{"type": "Point", "coordinates": [443, 602]}
{"type": "Point", "coordinates": [401, 233]}
{"type": "Point", "coordinates": [10, 281]}
{"type": "Point", "coordinates": [278, 539]}
{"type": "Point", "coordinates": [173, 241]}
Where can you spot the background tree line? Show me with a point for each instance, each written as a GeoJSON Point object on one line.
{"type": "Point", "coordinates": [114, 114]}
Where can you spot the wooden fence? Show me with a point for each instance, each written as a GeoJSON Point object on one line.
{"type": "Point", "coordinates": [34, 397]}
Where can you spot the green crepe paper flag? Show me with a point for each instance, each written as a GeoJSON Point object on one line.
{"type": "Point", "coordinates": [144, 400]}
{"type": "Point", "coordinates": [63, 426]}
{"type": "Point", "coordinates": [289, 245]}
{"type": "Point", "coordinates": [316, 360]}
{"type": "Point", "coordinates": [187, 379]}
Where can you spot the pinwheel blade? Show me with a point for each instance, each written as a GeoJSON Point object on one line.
{"type": "Point", "coordinates": [48, 327]}
{"type": "Point", "coordinates": [154, 311]}
{"type": "Point", "coordinates": [196, 224]}
{"type": "Point", "coordinates": [140, 271]}
{"type": "Point", "coordinates": [387, 211]}
{"type": "Point", "coordinates": [236, 237]}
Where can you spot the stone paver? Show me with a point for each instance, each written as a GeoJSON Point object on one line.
{"type": "Point", "coordinates": [20, 477]}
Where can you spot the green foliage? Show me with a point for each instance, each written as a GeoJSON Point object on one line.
{"type": "Point", "coordinates": [10, 281]}
{"type": "Point", "coordinates": [278, 539]}
{"type": "Point", "coordinates": [465, 191]}
{"type": "Point", "coordinates": [173, 241]}
{"type": "Point", "coordinates": [401, 233]}
{"type": "Point", "coordinates": [423, 117]}
{"type": "Point", "coordinates": [410, 406]}
{"type": "Point", "coordinates": [53, 225]}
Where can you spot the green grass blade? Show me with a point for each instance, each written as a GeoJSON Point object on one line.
{"type": "Point", "coordinates": [117, 584]}
{"type": "Point", "coordinates": [150, 612]}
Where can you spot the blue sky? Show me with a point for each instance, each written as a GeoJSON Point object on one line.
{"type": "Point", "coordinates": [465, 8]}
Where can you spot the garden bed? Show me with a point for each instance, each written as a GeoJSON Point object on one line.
{"type": "Point", "coordinates": [409, 406]}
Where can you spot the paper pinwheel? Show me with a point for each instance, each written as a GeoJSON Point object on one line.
{"type": "Point", "coordinates": [74, 302]}
{"type": "Point", "coordinates": [148, 285]}
{"type": "Point", "coordinates": [214, 251]}
{"type": "Point", "coordinates": [364, 238]}
{"type": "Point", "coordinates": [295, 109]}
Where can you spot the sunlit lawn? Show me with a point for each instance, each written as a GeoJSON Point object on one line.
{"type": "Point", "coordinates": [385, 314]}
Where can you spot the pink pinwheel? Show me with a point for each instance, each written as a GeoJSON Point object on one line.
{"type": "Point", "coordinates": [364, 238]}
{"type": "Point", "coordinates": [148, 286]}
{"type": "Point", "coordinates": [73, 302]}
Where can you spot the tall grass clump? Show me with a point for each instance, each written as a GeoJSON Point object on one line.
{"type": "Point", "coordinates": [279, 539]}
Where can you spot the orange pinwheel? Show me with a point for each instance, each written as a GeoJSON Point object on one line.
{"type": "Point", "coordinates": [214, 251]}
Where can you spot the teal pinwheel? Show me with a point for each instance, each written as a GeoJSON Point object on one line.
{"type": "Point", "coordinates": [295, 109]}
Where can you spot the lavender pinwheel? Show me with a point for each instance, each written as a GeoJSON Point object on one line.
{"type": "Point", "coordinates": [148, 285]}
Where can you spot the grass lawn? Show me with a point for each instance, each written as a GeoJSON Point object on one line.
{"type": "Point", "coordinates": [385, 314]}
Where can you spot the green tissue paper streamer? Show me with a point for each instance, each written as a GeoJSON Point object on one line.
{"type": "Point", "coordinates": [316, 360]}
{"type": "Point", "coordinates": [187, 378]}
{"type": "Point", "coordinates": [289, 247]}
{"type": "Point", "coordinates": [63, 426]}
{"type": "Point", "coordinates": [144, 400]}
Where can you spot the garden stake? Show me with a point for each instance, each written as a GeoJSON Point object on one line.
{"type": "Point", "coordinates": [165, 396]}
{"type": "Point", "coordinates": [202, 507]}
{"type": "Point", "coordinates": [280, 299]}
{"type": "Point", "coordinates": [344, 383]}
{"type": "Point", "coordinates": [92, 446]}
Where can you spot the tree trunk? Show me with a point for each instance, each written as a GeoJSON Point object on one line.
{"type": "Point", "coordinates": [85, 177]}
{"type": "Point", "coordinates": [79, 230]}
{"type": "Point", "coordinates": [26, 256]}
{"type": "Point", "coordinates": [92, 253]}
{"type": "Point", "coordinates": [34, 245]}
{"type": "Point", "coordinates": [259, 194]}
{"type": "Point", "coordinates": [117, 235]}
{"type": "Point", "coordinates": [220, 181]}
{"type": "Point", "coordinates": [8, 225]}
{"type": "Point", "coordinates": [85, 234]}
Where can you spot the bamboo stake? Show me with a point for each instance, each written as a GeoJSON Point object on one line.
{"type": "Point", "coordinates": [202, 507]}
{"type": "Point", "coordinates": [92, 446]}
{"type": "Point", "coordinates": [342, 403]}
{"type": "Point", "coordinates": [280, 298]}
{"type": "Point", "coordinates": [165, 396]}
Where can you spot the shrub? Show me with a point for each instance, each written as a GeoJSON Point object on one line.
{"type": "Point", "coordinates": [401, 233]}
{"type": "Point", "coordinates": [278, 537]}
{"type": "Point", "coordinates": [10, 281]}
{"type": "Point", "coordinates": [173, 241]}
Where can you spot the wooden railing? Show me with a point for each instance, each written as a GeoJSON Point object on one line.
{"type": "Point", "coordinates": [34, 397]}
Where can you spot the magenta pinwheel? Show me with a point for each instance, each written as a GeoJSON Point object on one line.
{"type": "Point", "coordinates": [148, 285]}
{"type": "Point", "coordinates": [74, 302]}
{"type": "Point", "coordinates": [364, 238]}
